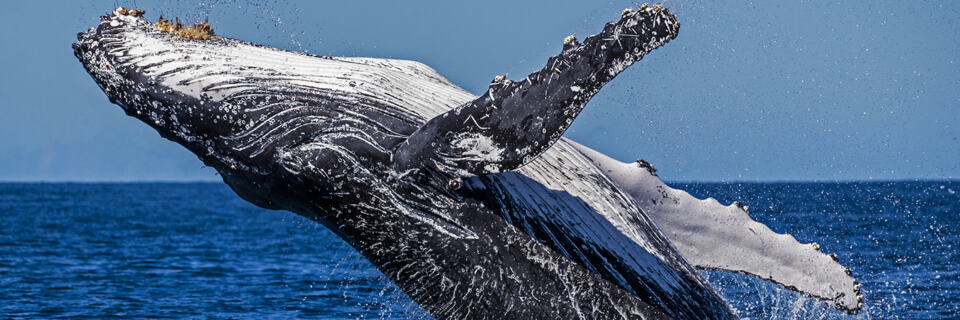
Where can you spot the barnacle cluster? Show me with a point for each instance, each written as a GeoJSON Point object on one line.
{"type": "Point", "coordinates": [198, 31]}
{"type": "Point", "coordinates": [131, 12]}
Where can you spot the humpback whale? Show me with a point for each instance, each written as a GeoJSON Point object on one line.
{"type": "Point", "coordinates": [475, 206]}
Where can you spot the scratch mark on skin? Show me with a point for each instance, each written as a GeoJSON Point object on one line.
{"type": "Point", "coordinates": [474, 120]}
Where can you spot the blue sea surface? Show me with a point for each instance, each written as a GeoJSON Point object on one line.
{"type": "Point", "coordinates": [189, 250]}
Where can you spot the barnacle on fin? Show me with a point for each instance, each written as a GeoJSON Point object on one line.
{"type": "Point", "coordinates": [198, 31]}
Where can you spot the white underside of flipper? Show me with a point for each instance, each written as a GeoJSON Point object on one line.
{"type": "Point", "coordinates": [710, 235]}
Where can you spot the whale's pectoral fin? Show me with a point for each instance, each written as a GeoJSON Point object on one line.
{"type": "Point", "coordinates": [713, 236]}
{"type": "Point", "coordinates": [514, 122]}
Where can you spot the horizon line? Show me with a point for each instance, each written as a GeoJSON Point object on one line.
{"type": "Point", "coordinates": [774, 181]}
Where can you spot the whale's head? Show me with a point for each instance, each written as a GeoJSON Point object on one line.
{"type": "Point", "coordinates": [241, 107]}
{"type": "Point", "coordinates": [180, 80]}
{"type": "Point", "coordinates": [260, 116]}
{"type": "Point", "coordinates": [140, 66]}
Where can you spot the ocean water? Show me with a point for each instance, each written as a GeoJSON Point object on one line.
{"type": "Point", "coordinates": [176, 250]}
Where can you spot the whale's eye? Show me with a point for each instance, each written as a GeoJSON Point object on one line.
{"type": "Point", "coordinates": [455, 184]}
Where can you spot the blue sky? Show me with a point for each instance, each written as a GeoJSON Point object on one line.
{"type": "Point", "coordinates": [778, 90]}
